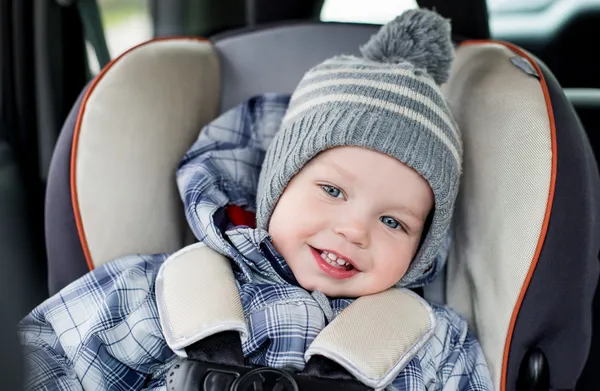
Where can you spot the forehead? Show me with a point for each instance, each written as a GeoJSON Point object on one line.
{"type": "Point", "coordinates": [361, 163]}
{"type": "Point", "coordinates": [382, 176]}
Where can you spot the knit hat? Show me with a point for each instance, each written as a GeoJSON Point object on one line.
{"type": "Point", "coordinates": [389, 101]}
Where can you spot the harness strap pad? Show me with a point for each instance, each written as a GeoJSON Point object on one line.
{"type": "Point", "coordinates": [377, 335]}
{"type": "Point", "coordinates": [197, 296]}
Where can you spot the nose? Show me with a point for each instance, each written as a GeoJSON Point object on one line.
{"type": "Point", "coordinates": [353, 230]}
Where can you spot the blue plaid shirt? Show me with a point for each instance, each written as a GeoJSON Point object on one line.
{"type": "Point", "coordinates": [102, 331]}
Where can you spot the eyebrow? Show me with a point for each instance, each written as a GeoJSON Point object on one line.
{"type": "Point", "coordinates": [406, 211]}
{"type": "Point", "coordinates": [342, 171]}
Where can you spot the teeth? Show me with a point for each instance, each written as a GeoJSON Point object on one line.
{"type": "Point", "coordinates": [332, 259]}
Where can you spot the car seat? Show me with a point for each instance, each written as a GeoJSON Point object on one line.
{"type": "Point", "coordinates": [523, 266]}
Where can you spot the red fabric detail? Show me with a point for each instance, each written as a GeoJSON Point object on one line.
{"type": "Point", "coordinates": [240, 216]}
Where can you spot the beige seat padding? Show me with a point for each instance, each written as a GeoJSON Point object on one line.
{"type": "Point", "coordinates": [501, 208]}
{"type": "Point", "coordinates": [139, 118]}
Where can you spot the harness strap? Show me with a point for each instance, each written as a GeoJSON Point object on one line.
{"type": "Point", "coordinates": [320, 366]}
{"type": "Point", "coordinates": [222, 348]}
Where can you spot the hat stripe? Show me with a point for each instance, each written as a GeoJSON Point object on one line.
{"type": "Point", "coordinates": [381, 104]}
{"type": "Point", "coordinates": [383, 71]}
{"type": "Point", "coordinates": [411, 82]}
{"type": "Point", "coordinates": [397, 89]}
{"type": "Point", "coordinates": [345, 61]}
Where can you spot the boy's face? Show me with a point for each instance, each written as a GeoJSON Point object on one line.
{"type": "Point", "coordinates": [349, 223]}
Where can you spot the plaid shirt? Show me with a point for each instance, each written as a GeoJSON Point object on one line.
{"type": "Point", "coordinates": [102, 332]}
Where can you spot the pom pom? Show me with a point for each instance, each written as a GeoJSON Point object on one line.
{"type": "Point", "coordinates": [418, 36]}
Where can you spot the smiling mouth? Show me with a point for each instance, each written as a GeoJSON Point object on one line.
{"type": "Point", "coordinates": [335, 260]}
{"type": "Point", "coordinates": [339, 269]}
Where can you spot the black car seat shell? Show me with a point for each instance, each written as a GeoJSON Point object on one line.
{"type": "Point", "coordinates": [523, 266]}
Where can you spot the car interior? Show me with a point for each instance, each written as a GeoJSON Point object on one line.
{"type": "Point", "coordinates": [56, 57]}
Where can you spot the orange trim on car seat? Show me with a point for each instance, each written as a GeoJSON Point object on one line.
{"type": "Point", "coordinates": [76, 134]}
{"type": "Point", "coordinates": [544, 231]}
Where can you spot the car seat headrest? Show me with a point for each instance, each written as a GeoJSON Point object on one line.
{"type": "Point", "coordinates": [275, 59]}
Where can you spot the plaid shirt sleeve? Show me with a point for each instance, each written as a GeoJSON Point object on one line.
{"type": "Point", "coordinates": [48, 368]}
{"type": "Point", "coordinates": [453, 359]}
{"type": "Point", "coordinates": [465, 368]}
{"type": "Point", "coordinates": [101, 332]}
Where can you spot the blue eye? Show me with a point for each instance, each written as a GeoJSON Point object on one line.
{"type": "Point", "coordinates": [332, 191]}
{"type": "Point", "coordinates": [390, 222]}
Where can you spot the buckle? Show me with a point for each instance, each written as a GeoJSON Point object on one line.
{"type": "Point", "coordinates": [191, 375]}
{"type": "Point", "coordinates": [188, 375]}
{"type": "Point", "coordinates": [265, 379]}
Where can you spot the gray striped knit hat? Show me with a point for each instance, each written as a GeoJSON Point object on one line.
{"type": "Point", "coordinates": [389, 101]}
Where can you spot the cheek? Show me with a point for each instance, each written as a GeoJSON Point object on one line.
{"type": "Point", "coordinates": [292, 222]}
{"type": "Point", "coordinates": [393, 260]}
{"type": "Point", "coordinates": [298, 210]}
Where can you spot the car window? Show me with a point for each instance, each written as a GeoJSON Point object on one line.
{"type": "Point", "coordinates": [364, 11]}
{"type": "Point", "coordinates": [514, 19]}
{"type": "Point", "coordinates": [496, 7]}
{"type": "Point", "coordinates": [507, 17]}
{"type": "Point", "coordinates": [126, 23]}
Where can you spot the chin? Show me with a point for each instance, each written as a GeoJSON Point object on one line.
{"type": "Point", "coordinates": [335, 291]}
{"type": "Point", "coordinates": [327, 287]}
